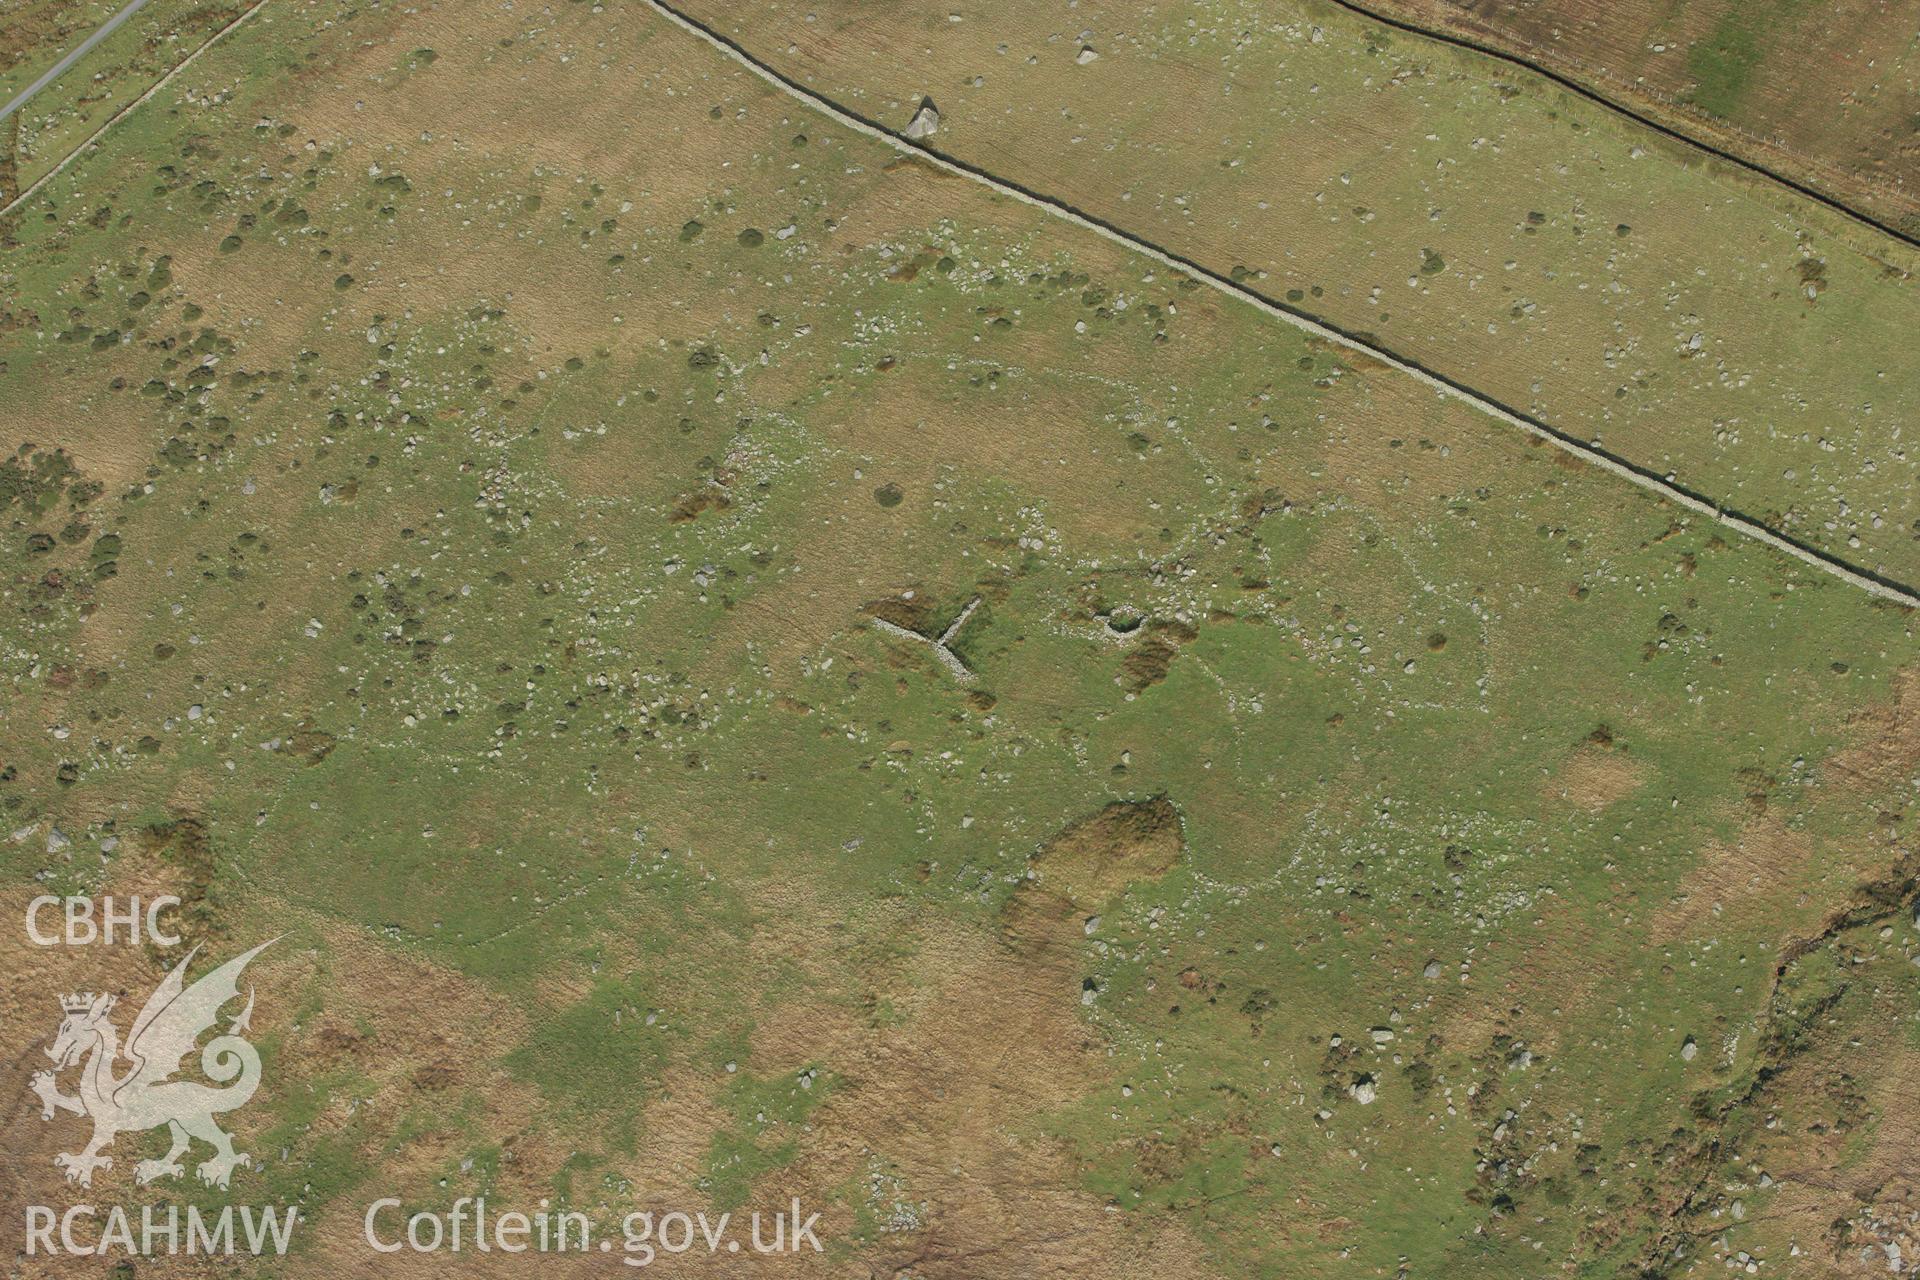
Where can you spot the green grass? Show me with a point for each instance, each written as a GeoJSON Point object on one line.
{"type": "Point", "coordinates": [649, 788]}
{"type": "Point", "coordinates": [1725, 63]}
{"type": "Point", "coordinates": [114, 72]}
{"type": "Point", "coordinates": [1328, 160]}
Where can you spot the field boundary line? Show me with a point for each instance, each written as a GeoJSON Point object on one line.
{"type": "Point", "coordinates": [1587, 92]}
{"type": "Point", "coordinates": [93, 138]}
{"type": "Point", "coordinates": [1614, 464]}
{"type": "Point", "coordinates": [51, 75]}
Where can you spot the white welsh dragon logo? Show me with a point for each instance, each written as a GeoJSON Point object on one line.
{"type": "Point", "coordinates": [172, 1020]}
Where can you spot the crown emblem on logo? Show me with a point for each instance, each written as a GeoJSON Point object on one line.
{"type": "Point", "coordinates": [81, 1001]}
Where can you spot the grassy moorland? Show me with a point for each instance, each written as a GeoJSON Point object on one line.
{"type": "Point", "coordinates": [1369, 844]}
{"type": "Point", "coordinates": [1463, 213]}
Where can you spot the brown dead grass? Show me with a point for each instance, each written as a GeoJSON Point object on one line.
{"type": "Point", "coordinates": [1100, 856]}
{"type": "Point", "coordinates": [108, 434]}
{"type": "Point", "coordinates": [992, 1045]}
{"type": "Point", "coordinates": [1152, 655]}
{"type": "Point", "coordinates": [1832, 97]}
{"type": "Point", "coordinates": [416, 1037]}
{"type": "Point", "coordinates": [1150, 138]}
{"type": "Point", "coordinates": [1759, 871]}
{"type": "Point", "coordinates": [1561, 964]}
{"type": "Point", "coordinates": [1596, 778]}
{"type": "Point", "coordinates": [32, 27]}
{"type": "Point", "coordinates": [918, 423]}
{"type": "Point", "coordinates": [950, 1095]}
{"type": "Point", "coordinates": [1885, 759]}
{"type": "Point", "coordinates": [29, 1007]}
{"type": "Point", "coordinates": [1767, 876]}
{"type": "Point", "coordinates": [1847, 1118]}
{"type": "Point", "coordinates": [1393, 445]}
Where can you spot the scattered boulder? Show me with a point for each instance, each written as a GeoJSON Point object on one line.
{"type": "Point", "coordinates": [925, 122]}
